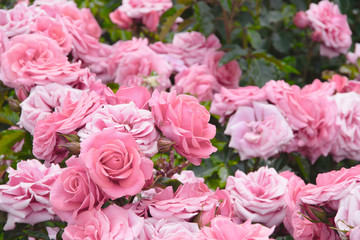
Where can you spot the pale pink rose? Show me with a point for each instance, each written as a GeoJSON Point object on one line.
{"type": "Point", "coordinates": [170, 228]}
{"type": "Point", "coordinates": [197, 81]}
{"type": "Point", "coordinates": [194, 46]}
{"type": "Point", "coordinates": [326, 19]}
{"type": "Point", "coordinates": [54, 29]}
{"type": "Point", "coordinates": [187, 176]}
{"type": "Point", "coordinates": [227, 75]}
{"type": "Point", "coordinates": [19, 20]}
{"type": "Point", "coordinates": [73, 192]}
{"type": "Point", "coordinates": [192, 133]}
{"type": "Point", "coordinates": [258, 196]}
{"type": "Point", "coordinates": [143, 68]}
{"type": "Point", "coordinates": [355, 233]}
{"type": "Point", "coordinates": [126, 118]}
{"type": "Point", "coordinates": [223, 228]}
{"type": "Point", "coordinates": [37, 60]}
{"type": "Point", "coordinates": [44, 100]}
{"type": "Point", "coordinates": [251, 128]}
{"type": "Point", "coordinates": [349, 208]}
{"type": "Point", "coordinates": [121, 19]}
{"type": "Point", "coordinates": [114, 163]}
{"type": "Point", "coordinates": [352, 57]}
{"type": "Point", "coordinates": [227, 101]}
{"type": "Point", "coordinates": [4, 41]}
{"type": "Point", "coordinates": [347, 142]}
{"type": "Point", "coordinates": [173, 54]}
{"type": "Point", "coordinates": [47, 143]}
{"type": "Point", "coordinates": [25, 197]}
{"type": "Point", "coordinates": [300, 20]}
{"type": "Point", "coordinates": [310, 112]}
{"type": "Point", "coordinates": [331, 187]}
{"type": "Point", "coordinates": [110, 223]}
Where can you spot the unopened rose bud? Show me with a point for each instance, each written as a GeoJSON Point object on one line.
{"type": "Point", "coordinates": [164, 145]}
{"type": "Point", "coordinates": [301, 20]}
{"type": "Point", "coordinates": [14, 104]}
{"type": "Point", "coordinates": [71, 137]}
{"type": "Point", "coordinates": [315, 214]}
{"type": "Point", "coordinates": [72, 147]}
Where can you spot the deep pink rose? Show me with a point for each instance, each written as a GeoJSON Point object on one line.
{"type": "Point", "coordinates": [252, 127]}
{"type": "Point", "coordinates": [223, 228]}
{"type": "Point", "coordinates": [121, 19]}
{"type": "Point", "coordinates": [25, 197]}
{"type": "Point", "coordinates": [258, 196]}
{"type": "Point", "coordinates": [170, 229]}
{"type": "Point", "coordinates": [44, 100]}
{"type": "Point", "coordinates": [301, 20]}
{"type": "Point", "coordinates": [335, 34]}
{"type": "Point", "coordinates": [197, 81]}
{"type": "Point", "coordinates": [143, 67]}
{"type": "Point", "coordinates": [126, 118]}
{"type": "Point", "coordinates": [114, 163]}
{"type": "Point", "coordinates": [74, 115]}
{"type": "Point", "coordinates": [111, 223]}
{"type": "Point", "coordinates": [347, 142]}
{"type": "Point", "coordinates": [228, 100]}
{"type": "Point", "coordinates": [227, 75]}
{"type": "Point", "coordinates": [73, 192]}
{"type": "Point", "coordinates": [184, 121]}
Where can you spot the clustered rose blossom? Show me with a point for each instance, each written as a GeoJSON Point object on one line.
{"type": "Point", "coordinates": [329, 26]}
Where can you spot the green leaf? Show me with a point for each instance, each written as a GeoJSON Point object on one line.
{"type": "Point", "coordinates": [36, 234]}
{"type": "Point", "coordinates": [176, 11]}
{"type": "Point", "coordinates": [8, 117]}
{"type": "Point", "coordinates": [281, 41]}
{"type": "Point", "coordinates": [274, 16]}
{"type": "Point", "coordinates": [261, 72]}
{"type": "Point", "coordinates": [204, 18]}
{"type": "Point", "coordinates": [280, 64]}
{"type": "Point", "coordinates": [232, 55]}
{"type": "Point", "coordinates": [255, 39]}
{"type": "Point", "coordinates": [226, 5]}
{"type": "Point", "coordinates": [8, 138]}
{"type": "Point", "coordinates": [174, 183]}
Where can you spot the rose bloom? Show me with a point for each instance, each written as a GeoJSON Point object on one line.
{"type": "Point", "coordinates": [36, 60]}
{"type": "Point", "coordinates": [139, 95]}
{"type": "Point", "coordinates": [126, 118]}
{"type": "Point", "coordinates": [25, 197]}
{"type": "Point", "coordinates": [331, 26]}
{"type": "Point", "coordinates": [347, 143]}
{"type": "Point", "coordinates": [187, 176]}
{"type": "Point", "coordinates": [191, 133]}
{"type": "Point", "coordinates": [197, 81]}
{"type": "Point", "coordinates": [74, 115]}
{"type": "Point", "coordinates": [170, 229]}
{"type": "Point", "coordinates": [223, 228]}
{"type": "Point", "coordinates": [352, 57]}
{"type": "Point", "coordinates": [143, 67]}
{"type": "Point", "coordinates": [227, 75]}
{"type": "Point", "coordinates": [121, 19]}
{"type": "Point", "coordinates": [227, 101]}
{"type": "Point", "coordinates": [44, 100]}
{"type": "Point", "coordinates": [110, 223]}
{"type": "Point", "coordinates": [252, 127]}
{"type": "Point", "coordinates": [73, 192]}
{"type": "Point", "coordinates": [258, 196]}
{"type": "Point", "coordinates": [113, 161]}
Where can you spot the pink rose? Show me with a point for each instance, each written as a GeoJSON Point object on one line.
{"type": "Point", "coordinates": [139, 95]}
{"type": "Point", "coordinates": [352, 57]}
{"type": "Point", "coordinates": [252, 127]}
{"type": "Point", "coordinates": [44, 100]}
{"type": "Point", "coordinates": [355, 233]}
{"type": "Point", "coordinates": [113, 161]}
{"type": "Point", "coordinates": [227, 101]}
{"type": "Point", "coordinates": [325, 18]}
{"type": "Point", "coordinates": [300, 20]}
{"type": "Point", "coordinates": [48, 141]}
{"type": "Point", "coordinates": [258, 196]}
{"type": "Point", "coordinates": [192, 133]}
{"type": "Point", "coordinates": [187, 176]}
{"type": "Point", "coordinates": [170, 229]}
{"type": "Point", "coordinates": [347, 142]}
{"type": "Point", "coordinates": [151, 20]}
{"type": "Point", "coordinates": [121, 19]}
{"type": "Point", "coordinates": [143, 67]}
{"type": "Point", "coordinates": [25, 197]}
{"type": "Point", "coordinates": [126, 118]}
{"type": "Point", "coordinates": [223, 228]}
{"type": "Point", "coordinates": [197, 81]}
{"type": "Point", "coordinates": [73, 192]}
{"type": "Point", "coordinates": [111, 223]}
{"type": "Point", "coordinates": [227, 75]}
